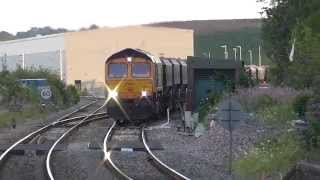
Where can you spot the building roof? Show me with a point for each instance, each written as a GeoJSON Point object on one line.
{"type": "Point", "coordinates": [38, 37]}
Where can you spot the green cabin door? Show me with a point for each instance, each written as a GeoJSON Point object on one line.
{"type": "Point", "coordinates": [209, 81]}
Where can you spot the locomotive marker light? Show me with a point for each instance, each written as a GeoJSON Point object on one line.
{"type": "Point", "coordinates": [113, 94]}
{"type": "Point", "coordinates": [144, 93]}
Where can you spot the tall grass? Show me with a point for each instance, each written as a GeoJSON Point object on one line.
{"type": "Point", "coordinates": [253, 99]}
{"type": "Point", "coordinates": [10, 118]}
{"type": "Point", "coordinates": [23, 102]}
{"type": "Point", "coordinates": [271, 157]}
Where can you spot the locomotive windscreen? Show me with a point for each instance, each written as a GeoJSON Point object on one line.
{"type": "Point", "coordinates": [117, 70]}
{"type": "Point", "coordinates": [141, 70]}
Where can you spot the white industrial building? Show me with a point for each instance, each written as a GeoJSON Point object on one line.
{"type": "Point", "coordinates": [40, 51]}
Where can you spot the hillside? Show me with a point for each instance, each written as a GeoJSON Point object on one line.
{"type": "Point", "coordinates": [212, 26]}
{"type": "Point", "coordinates": [211, 34]}
{"type": "Point", "coordinates": [34, 31]}
{"type": "Point", "coordinates": [208, 37]}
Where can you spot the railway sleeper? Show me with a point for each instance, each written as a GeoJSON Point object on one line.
{"type": "Point", "coordinates": [39, 149]}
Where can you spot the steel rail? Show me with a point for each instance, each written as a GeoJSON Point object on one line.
{"type": "Point", "coordinates": [107, 155]}
{"type": "Point", "coordinates": [48, 158]}
{"type": "Point", "coordinates": [78, 118]}
{"type": "Point", "coordinates": [39, 131]}
{"type": "Point", "coordinates": [173, 173]}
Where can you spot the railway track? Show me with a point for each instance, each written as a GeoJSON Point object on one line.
{"type": "Point", "coordinates": [167, 171]}
{"type": "Point", "coordinates": [41, 130]}
{"type": "Point", "coordinates": [65, 122]}
{"type": "Point", "coordinates": [161, 165]}
{"type": "Point", "coordinates": [70, 123]}
{"type": "Point", "coordinates": [84, 121]}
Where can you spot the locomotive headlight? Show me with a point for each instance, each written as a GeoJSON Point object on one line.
{"type": "Point", "coordinates": [113, 94]}
{"type": "Point", "coordinates": [144, 93]}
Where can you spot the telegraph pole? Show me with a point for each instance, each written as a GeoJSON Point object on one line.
{"type": "Point", "coordinates": [225, 51]}
{"type": "Point", "coordinates": [250, 53]}
{"type": "Point", "coordinates": [240, 54]}
{"type": "Point", "coordinates": [61, 64]}
{"type": "Point", "coordinates": [260, 56]}
{"type": "Point", "coordinates": [23, 61]}
{"type": "Point", "coordinates": [235, 53]}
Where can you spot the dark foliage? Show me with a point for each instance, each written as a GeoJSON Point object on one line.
{"type": "Point", "coordinates": [300, 104]}
{"type": "Point", "coordinates": [5, 36]}
{"type": "Point", "coordinates": [34, 31]}
{"type": "Point", "coordinates": [286, 21]}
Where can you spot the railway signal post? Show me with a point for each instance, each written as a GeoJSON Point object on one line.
{"type": "Point", "coordinates": [230, 117]}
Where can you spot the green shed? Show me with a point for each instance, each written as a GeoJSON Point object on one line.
{"type": "Point", "coordinates": [206, 76]}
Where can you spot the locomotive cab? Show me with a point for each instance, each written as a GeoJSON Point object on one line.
{"type": "Point", "coordinates": [131, 76]}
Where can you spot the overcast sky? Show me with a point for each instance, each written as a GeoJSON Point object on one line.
{"type": "Point", "coordinates": [20, 15]}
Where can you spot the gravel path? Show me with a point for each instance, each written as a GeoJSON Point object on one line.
{"type": "Point", "coordinates": [9, 135]}
{"type": "Point", "coordinates": [205, 157]}
{"type": "Point", "coordinates": [29, 166]}
{"type": "Point", "coordinates": [79, 161]}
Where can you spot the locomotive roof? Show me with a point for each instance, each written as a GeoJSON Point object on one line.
{"type": "Point", "coordinates": [130, 52]}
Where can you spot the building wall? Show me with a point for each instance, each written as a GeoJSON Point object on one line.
{"type": "Point", "coordinates": [36, 52]}
{"type": "Point", "coordinates": [32, 45]}
{"type": "Point", "coordinates": [83, 54]}
{"type": "Point", "coordinates": [87, 51]}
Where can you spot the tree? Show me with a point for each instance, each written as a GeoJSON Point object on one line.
{"type": "Point", "coordinates": [5, 36]}
{"type": "Point", "coordinates": [47, 30]}
{"type": "Point", "coordinates": [284, 19]}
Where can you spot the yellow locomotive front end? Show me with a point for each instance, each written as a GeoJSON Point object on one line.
{"type": "Point", "coordinates": [130, 78]}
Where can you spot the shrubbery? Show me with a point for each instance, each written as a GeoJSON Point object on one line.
{"type": "Point", "coordinates": [23, 102]}
{"type": "Point", "coordinates": [245, 80]}
{"type": "Point", "coordinates": [208, 107]}
{"type": "Point", "coordinates": [253, 99]}
{"type": "Point", "coordinates": [14, 93]}
{"type": "Point", "coordinates": [73, 96]}
{"type": "Point", "coordinates": [277, 115]}
{"type": "Point", "coordinates": [270, 157]}
{"type": "Point", "coordinates": [275, 107]}
{"type": "Point", "coordinates": [300, 104]}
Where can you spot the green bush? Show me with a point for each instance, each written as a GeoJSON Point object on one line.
{"type": "Point", "coordinates": [264, 101]}
{"type": "Point", "coordinates": [73, 96]}
{"type": "Point", "coordinates": [277, 115]}
{"type": "Point", "coordinates": [12, 91]}
{"type": "Point", "coordinates": [316, 86]}
{"type": "Point", "coordinates": [214, 99]}
{"type": "Point", "coordinates": [7, 118]}
{"type": "Point", "coordinates": [300, 104]}
{"type": "Point", "coordinates": [270, 157]}
{"type": "Point", "coordinates": [246, 80]}
{"type": "Point", "coordinates": [205, 109]}
{"type": "Point", "coordinates": [313, 117]}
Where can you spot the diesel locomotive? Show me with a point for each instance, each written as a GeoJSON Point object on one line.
{"type": "Point", "coordinates": [141, 85]}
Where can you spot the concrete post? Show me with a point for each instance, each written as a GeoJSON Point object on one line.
{"type": "Point", "coordinates": [61, 64]}
{"type": "Point", "coordinates": [23, 61]}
